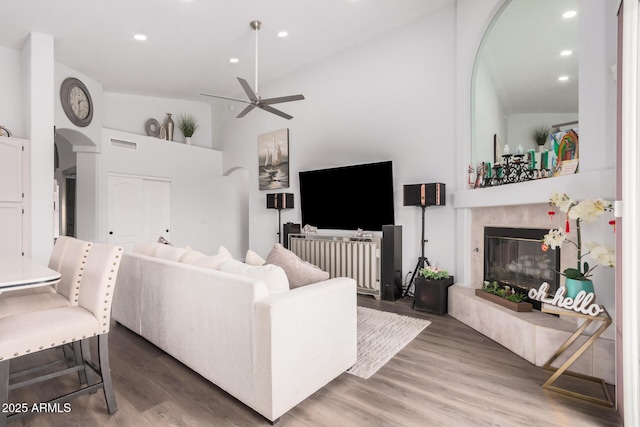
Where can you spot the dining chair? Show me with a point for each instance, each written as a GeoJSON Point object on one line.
{"type": "Point", "coordinates": [31, 332]}
{"type": "Point", "coordinates": [69, 258]}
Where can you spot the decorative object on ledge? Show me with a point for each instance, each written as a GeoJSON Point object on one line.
{"type": "Point", "coordinates": [540, 135]}
{"type": "Point", "coordinates": [280, 201]}
{"type": "Point", "coordinates": [187, 123]}
{"type": "Point", "coordinates": [587, 210]}
{"type": "Point", "coordinates": [504, 296]}
{"type": "Point", "coordinates": [431, 291]}
{"type": "Point", "coordinates": [422, 195]}
{"type": "Point", "coordinates": [168, 123]}
{"type": "Point", "coordinates": [582, 303]}
{"type": "Point", "coordinates": [152, 127]}
{"type": "Point", "coordinates": [563, 369]}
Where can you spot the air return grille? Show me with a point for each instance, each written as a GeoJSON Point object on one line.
{"type": "Point", "coordinates": [121, 143]}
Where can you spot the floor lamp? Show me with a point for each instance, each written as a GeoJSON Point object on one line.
{"type": "Point", "coordinates": [280, 201]}
{"type": "Point", "coordinates": [422, 195]}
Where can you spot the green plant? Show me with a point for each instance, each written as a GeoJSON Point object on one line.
{"type": "Point", "coordinates": [505, 292]}
{"type": "Point", "coordinates": [540, 134]}
{"type": "Point", "coordinates": [587, 210]}
{"type": "Point", "coordinates": [187, 123]}
{"type": "Point", "coordinates": [433, 273]}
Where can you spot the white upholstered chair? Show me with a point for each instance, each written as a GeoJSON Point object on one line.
{"type": "Point", "coordinates": [34, 331]}
{"type": "Point", "coordinates": [68, 257]}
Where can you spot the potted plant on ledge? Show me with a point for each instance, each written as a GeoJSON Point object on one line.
{"type": "Point", "coordinates": [587, 211]}
{"type": "Point", "coordinates": [187, 123]}
{"type": "Point", "coordinates": [432, 284]}
{"type": "Point", "coordinates": [540, 135]}
{"type": "Point", "coordinates": [505, 296]}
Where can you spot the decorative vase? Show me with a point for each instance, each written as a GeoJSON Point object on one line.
{"type": "Point", "coordinates": [169, 126]}
{"type": "Point", "coordinates": [541, 148]}
{"type": "Point", "coordinates": [574, 286]}
{"type": "Point", "coordinates": [187, 140]}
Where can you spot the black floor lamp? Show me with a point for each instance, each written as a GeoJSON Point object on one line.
{"type": "Point", "coordinates": [280, 201]}
{"type": "Point", "coordinates": [422, 195]}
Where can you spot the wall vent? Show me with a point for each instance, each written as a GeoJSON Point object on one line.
{"type": "Point", "coordinates": [120, 143]}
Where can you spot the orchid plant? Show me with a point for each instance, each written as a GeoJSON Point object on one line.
{"type": "Point", "coordinates": [587, 211]}
{"type": "Point", "coordinates": [434, 273]}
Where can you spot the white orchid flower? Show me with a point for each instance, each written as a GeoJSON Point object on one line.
{"type": "Point", "coordinates": [562, 201]}
{"type": "Point", "coordinates": [554, 238]}
{"type": "Point", "coordinates": [603, 254]}
{"type": "Point", "coordinates": [589, 210]}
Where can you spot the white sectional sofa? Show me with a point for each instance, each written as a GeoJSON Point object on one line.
{"type": "Point", "coordinates": [270, 351]}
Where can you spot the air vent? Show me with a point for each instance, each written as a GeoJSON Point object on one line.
{"type": "Point", "coordinates": [120, 143]}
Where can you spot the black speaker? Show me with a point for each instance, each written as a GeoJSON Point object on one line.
{"type": "Point", "coordinates": [391, 260]}
{"type": "Point", "coordinates": [289, 228]}
{"type": "Point", "coordinates": [432, 295]}
{"type": "Point", "coordinates": [424, 194]}
{"type": "Point", "coordinates": [279, 200]}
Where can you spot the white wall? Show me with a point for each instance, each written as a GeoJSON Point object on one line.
{"type": "Point", "coordinates": [488, 117]}
{"type": "Point", "coordinates": [391, 98]}
{"type": "Point", "coordinates": [193, 171]}
{"type": "Point", "coordinates": [129, 113]}
{"type": "Point", "coordinates": [11, 109]}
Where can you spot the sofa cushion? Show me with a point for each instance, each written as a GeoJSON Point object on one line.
{"type": "Point", "coordinates": [272, 275]}
{"type": "Point", "coordinates": [253, 258]}
{"type": "Point", "coordinates": [146, 248]}
{"type": "Point", "coordinates": [191, 257]}
{"type": "Point", "coordinates": [298, 271]}
{"type": "Point", "coordinates": [170, 253]}
{"type": "Point", "coordinates": [214, 261]}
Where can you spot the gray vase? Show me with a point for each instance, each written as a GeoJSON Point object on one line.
{"type": "Point", "coordinates": [169, 126]}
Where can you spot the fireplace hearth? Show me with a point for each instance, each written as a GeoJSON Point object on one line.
{"type": "Point", "coordinates": [514, 257]}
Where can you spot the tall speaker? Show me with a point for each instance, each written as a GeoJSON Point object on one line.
{"type": "Point", "coordinates": [433, 194]}
{"type": "Point", "coordinates": [391, 260]}
{"type": "Point", "coordinates": [289, 228]}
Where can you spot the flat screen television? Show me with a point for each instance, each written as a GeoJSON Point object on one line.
{"type": "Point", "coordinates": [348, 197]}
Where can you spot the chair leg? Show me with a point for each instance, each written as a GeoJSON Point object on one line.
{"type": "Point", "coordinates": [105, 372]}
{"type": "Point", "coordinates": [4, 391]}
{"type": "Point", "coordinates": [85, 354]}
{"type": "Point", "coordinates": [74, 352]}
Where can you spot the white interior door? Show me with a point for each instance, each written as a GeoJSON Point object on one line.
{"type": "Point", "coordinates": [11, 196]}
{"type": "Point", "coordinates": [138, 209]}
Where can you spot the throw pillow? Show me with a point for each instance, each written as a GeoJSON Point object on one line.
{"type": "Point", "coordinates": [299, 272]}
{"type": "Point", "coordinates": [272, 275]}
{"type": "Point", "coordinates": [145, 248]}
{"type": "Point", "coordinates": [191, 257]}
{"type": "Point", "coordinates": [253, 258]}
{"type": "Point", "coordinates": [214, 261]}
{"type": "Point", "coordinates": [170, 253]}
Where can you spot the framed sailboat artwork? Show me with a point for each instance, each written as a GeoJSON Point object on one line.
{"type": "Point", "coordinates": [273, 160]}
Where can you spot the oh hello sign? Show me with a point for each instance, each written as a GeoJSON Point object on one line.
{"type": "Point", "coordinates": [582, 303]}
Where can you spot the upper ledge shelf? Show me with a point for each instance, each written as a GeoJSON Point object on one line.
{"type": "Point", "coordinates": [600, 183]}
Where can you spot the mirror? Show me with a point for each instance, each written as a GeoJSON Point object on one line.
{"type": "Point", "coordinates": [525, 77]}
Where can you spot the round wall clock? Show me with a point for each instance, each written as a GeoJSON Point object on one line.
{"type": "Point", "coordinates": [76, 102]}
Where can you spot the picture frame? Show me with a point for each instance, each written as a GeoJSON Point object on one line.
{"type": "Point", "coordinates": [273, 160]}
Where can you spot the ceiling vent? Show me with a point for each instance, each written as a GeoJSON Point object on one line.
{"type": "Point", "coordinates": [120, 143]}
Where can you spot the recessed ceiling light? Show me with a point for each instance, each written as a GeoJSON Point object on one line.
{"type": "Point", "coordinates": [140, 37]}
{"type": "Point", "coordinates": [283, 34]}
{"type": "Point", "coordinates": [234, 60]}
{"type": "Point", "coordinates": [563, 78]}
{"type": "Point", "coordinates": [566, 53]}
{"type": "Point", "coordinates": [569, 14]}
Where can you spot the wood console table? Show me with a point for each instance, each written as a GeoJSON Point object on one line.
{"type": "Point", "coordinates": [605, 320]}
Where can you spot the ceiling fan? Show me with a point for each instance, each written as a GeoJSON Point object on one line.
{"type": "Point", "coordinates": [255, 101]}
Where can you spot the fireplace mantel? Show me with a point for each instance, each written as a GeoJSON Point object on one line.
{"type": "Point", "coordinates": [600, 183]}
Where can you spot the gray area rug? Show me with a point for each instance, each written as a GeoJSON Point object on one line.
{"type": "Point", "coordinates": [380, 336]}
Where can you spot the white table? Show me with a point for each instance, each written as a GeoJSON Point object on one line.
{"type": "Point", "coordinates": [18, 272]}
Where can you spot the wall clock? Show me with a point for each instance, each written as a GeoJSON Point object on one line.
{"type": "Point", "coordinates": [76, 102]}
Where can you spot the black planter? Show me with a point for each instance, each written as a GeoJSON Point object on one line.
{"type": "Point", "coordinates": [431, 295]}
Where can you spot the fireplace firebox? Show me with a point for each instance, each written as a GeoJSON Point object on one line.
{"type": "Point", "coordinates": [514, 257]}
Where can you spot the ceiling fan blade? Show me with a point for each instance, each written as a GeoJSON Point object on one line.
{"type": "Point", "coordinates": [276, 112]}
{"type": "Point", "coordinates": [245, 111]}
{"type": "Point", "coordinates": [225, 97]}
{"type": "Point", "coordinates": [278, 100]}
{"type": "Point", "coordinates": [250, 93]}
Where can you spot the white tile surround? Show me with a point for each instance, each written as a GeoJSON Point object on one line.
{"type": "Point", "coordinates": [533, 336]}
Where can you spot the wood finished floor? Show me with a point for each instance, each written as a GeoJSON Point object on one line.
{"type": "Point", "coordinates": [449, 375]}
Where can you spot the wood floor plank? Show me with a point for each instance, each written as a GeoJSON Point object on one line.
{"type": "Point", "coordinates": [450, 375]}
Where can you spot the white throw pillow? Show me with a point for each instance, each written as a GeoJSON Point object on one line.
{"type": "Point", "coordinates": [146, 248]}
{"type": "Point", "coordinates": [272, 275]}
{"type": "Point", "coordinates": [170, 253]}
{"type": "Point", "coordinates": [253, 258]}
{"type": "Point", "coordinates": [191, 257]}
{"type": "Point", "coordinates": [299, 272]}
{"type": "Point", "coordinates": [214, 261]}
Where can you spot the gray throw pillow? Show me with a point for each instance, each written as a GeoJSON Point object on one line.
{"type": "Point", "coordinates": [298, 271]}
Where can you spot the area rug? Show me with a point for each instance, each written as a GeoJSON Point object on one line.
{"type": "Point", "coordinates": [380, 336]}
